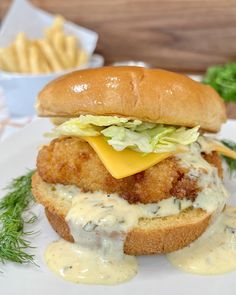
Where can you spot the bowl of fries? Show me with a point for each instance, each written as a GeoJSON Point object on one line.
{"type": "Point", "coordinates": [26, 65]}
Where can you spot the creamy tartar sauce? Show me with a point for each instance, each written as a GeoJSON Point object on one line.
{"type": "Point", "coordinates": [213, 195]}
{"type": "Point", "coordinates": [89, 266]}
{"type": "Point", "coordinates": [99, 223]}
{"type": "Point", "coordinates": [214, 252]}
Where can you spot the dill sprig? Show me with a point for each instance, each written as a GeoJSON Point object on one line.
{"type": "Point", "coordinates": [231, 163]}
{"type": "Point", "coordinates": [12, 234]}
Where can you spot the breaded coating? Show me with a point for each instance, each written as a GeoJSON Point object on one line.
{"type": "Point", "coordinates": [214, 160]}
{"type": "Point", "coordinates": [69, 160]}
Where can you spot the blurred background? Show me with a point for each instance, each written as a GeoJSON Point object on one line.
{"type": "Point", "coordinates": [181, 35]}
{"type": "Point", "coordinates": [194, 37]}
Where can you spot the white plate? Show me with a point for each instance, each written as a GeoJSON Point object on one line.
{"type": "Point", "coordinates": [156, 275]}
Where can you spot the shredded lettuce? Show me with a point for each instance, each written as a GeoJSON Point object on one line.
{"type": "Point", "coordinates": [158, 139]}
{"type": "Point", "coordinates": [124, 133]}
{"type": "Point", "coordinates": [106, 121]}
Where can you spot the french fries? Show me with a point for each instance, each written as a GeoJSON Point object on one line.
{"type": "Point", "coordinates": [8, 57]}
{"type": "Point", "coordinates": [59, 45]}
{"type": "Point", "coordinates": [71, 50]}
{"type": "Point", "coordinates": [22, 48]}
{"type": "Point", "coordinates": [55, 52]}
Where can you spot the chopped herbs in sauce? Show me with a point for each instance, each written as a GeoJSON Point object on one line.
{"type": "Point", "coordinates": [230, 229]}
{"type": "Point", "coordinates": [89, 226]}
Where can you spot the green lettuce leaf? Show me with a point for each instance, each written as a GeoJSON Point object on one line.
{"type": "Point", "coordinates": [158, 139]}
{"type": "Point", "coordinates": [124, 133]}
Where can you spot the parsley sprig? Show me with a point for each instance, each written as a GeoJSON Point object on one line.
{"type": "Point", "coordinates": [223, 79]}
{"type": "Point", "coordinates": [13, 205]}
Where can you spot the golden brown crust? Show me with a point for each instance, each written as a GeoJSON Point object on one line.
{"type": "Point", "coordinates": [69, 160]}
{"type": "Point", "coordinates": [215, 160]}
{"type": "Point", "coordinates": [151, 236]}
{"type": "Point", "coordinates": [146, 94]}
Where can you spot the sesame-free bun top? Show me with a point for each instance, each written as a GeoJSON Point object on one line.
{"type": "Point", "coordinates": [152, 95]}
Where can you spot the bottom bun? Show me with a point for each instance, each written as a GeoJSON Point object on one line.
{"type": "Point", "coordinates": [151, 236]}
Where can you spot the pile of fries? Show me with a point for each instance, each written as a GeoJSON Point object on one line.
{"type": "Point", "coordinates": [55, 52]}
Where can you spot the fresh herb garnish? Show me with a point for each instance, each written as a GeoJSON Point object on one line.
{"type": "Point", "coordinates": [231, 163]}
{"type": "Point", "coordinates": [12, 234]}
{"type": "Point", "coordinates": [223, 79]}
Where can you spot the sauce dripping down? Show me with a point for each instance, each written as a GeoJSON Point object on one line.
{"type": "Point", "coordinates": [99, 223]}
{"type": "Point", "coordinates": [83, 265]}
{"type": "Point", "coordinates": [214, 252]}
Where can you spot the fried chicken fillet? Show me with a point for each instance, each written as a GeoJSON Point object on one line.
{"type": "Point", "coordinates": [70, 160]}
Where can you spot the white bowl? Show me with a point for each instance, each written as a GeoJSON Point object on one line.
{"type": "Point", "coordinates": [21, 90]}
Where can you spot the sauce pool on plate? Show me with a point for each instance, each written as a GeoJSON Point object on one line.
{"type": "Point", "coordinates": [83, 265]}
{"type": "Point", "coordinates": [214, 252]}
{"type": "Point", "coordinates": [100, 222]}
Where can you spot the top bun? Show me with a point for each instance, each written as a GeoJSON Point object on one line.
{"type": "Point", "coordinates": [147, 94]}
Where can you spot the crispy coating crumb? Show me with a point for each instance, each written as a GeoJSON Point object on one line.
{"type": "Point", "coordinates": [214, 160]}
{"type": "Point", "coordinates": [69, 160]}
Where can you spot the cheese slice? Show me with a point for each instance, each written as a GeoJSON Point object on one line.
{"type": "Point", "coordinates": [127, 162]}
{"type": "Point", "coordinates": [222, 149]}
{"type": "Point", "coordinates": [124, 163]}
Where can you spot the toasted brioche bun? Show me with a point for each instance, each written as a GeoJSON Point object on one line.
{"type": "Point", "coordinates": [151, 236]}
{"type": "Point", "coordinates": [147, 94]}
